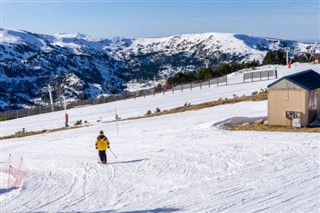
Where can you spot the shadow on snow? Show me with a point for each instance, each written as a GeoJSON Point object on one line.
{"type": "Point", "coordinates": [6, 190]}
{"type": "Point", "coordinates": [166, 210]}
{"type": "Point", "coordinates": [129, 161]}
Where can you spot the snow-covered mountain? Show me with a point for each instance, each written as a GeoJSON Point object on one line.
{"type": "Point", "coordinates": [79, 66]}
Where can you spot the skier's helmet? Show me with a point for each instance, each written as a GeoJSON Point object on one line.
{"type": "Point", "coordinates": [101, 132]}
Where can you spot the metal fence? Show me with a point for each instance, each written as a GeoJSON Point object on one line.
{"type": "Point", "coordinates": [259, 75]}
{"type": "Point", "coordinates": [213, 81]}
{"type": "Point", "coordinates": [13, 114]}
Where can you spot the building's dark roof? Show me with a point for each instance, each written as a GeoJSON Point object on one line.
{"type": "Point", "coordinates": [309, 79]}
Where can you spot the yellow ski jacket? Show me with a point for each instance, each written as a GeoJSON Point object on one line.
{"type": "Point", "coordinates": [102, 143]}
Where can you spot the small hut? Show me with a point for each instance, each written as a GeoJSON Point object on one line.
{"type": "Point", "coordinates": [294, 100]}
{"type": "Point", "coordinates": [316, 57]}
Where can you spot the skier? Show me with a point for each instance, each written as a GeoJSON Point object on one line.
{"type": "Point", "coordinates": [102, 143]}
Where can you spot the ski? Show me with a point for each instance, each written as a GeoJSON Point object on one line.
{"type": "Point", "coordinates": [102, 164]}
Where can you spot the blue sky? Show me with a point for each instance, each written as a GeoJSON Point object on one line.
{"type": "Point", "coordinates": [285, 19]}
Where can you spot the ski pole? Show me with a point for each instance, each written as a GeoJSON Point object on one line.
{"type": "Point", "coordinates": [113, 153]}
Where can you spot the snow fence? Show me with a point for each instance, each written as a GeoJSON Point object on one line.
{"type": "Point", "coordinates": [16, 170]}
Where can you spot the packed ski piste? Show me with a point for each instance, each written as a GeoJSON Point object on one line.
{"type": "Point", "coordinates": [179, 162]}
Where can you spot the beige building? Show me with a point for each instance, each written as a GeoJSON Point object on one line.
{"type": "Point", "coordinates": [294, 100]}
{"type": "Point", "coordinates": [316, 58]}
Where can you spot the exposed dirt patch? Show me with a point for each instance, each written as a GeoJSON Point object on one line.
{"type": "Point", "coordinates": [255, 97]}
{"type": "Point", "coordinates": [262, 127]}
{"type": "Point", "coordinates": [258, 124]}
{"type": "Point", "coordinates": [29, 133]}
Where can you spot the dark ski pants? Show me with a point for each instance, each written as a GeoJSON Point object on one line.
{"type": "Point", "coordinates": [103, 156]}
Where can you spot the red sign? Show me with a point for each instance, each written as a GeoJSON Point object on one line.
{"type": "Point", "coordinates": [67, 118]}
{"type": "Point", "coordinates": [165, 87]}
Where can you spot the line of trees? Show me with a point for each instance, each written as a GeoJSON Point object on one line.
{"type": "Point", "coordinates": [275, 57]}
{"type": "Point", "coordinates": [279, 57]}
{"type": "Point", "coordinates": [207, 73]}
{"type": "Point", "coordinates": [272, 57]}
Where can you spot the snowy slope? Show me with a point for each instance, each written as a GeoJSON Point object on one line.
{"type": "Point", "coordinates": [181, 162]}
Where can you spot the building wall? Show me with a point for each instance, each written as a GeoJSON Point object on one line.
{"type": "Point", "coordinates": [289, 99]}
{"type": "Point", "coordinates": [314, 102]}
{"type": "Point", "coordinates": [318, 101]}
{"type": "Point", "coordinates": [313, 105]}
{"type": "Point", "coordinates": [285, 84]}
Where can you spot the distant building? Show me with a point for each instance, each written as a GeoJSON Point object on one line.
{"type": "Point", "coordinates": [316, 57]}
{"type": "Point", "coordinates": [294, 98]}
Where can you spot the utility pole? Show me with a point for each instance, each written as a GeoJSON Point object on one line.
{"type": "Point", "coordinates": [206, 61]}
{"type": "Point", "coordinates": [50, 95]}
{"type": "Point", "coordinates": [117, 118]}
{"type": "Point", "coordinates": [287, 55]}
{"type": "Point", "coordinates": [66, 116]}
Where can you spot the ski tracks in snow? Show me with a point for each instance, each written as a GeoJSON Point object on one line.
{"type": "Point", "coordinates": [190, 167]}
{"type": "Point", "coordinates": [68, 187]}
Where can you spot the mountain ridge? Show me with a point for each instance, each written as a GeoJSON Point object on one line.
{"type": "Point", "coordinates": [29, 62]}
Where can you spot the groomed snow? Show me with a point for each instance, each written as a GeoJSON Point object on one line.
{"type": "Point", "coordinates": [174, 163]}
